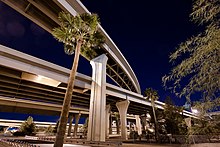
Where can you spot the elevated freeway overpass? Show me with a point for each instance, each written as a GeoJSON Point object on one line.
{"type": "Point", "coordinates": [24, 78]}
{"type": "Point", "coordinates": [45, 14]}
{"type": "Point", "coordinates": [31, 84]}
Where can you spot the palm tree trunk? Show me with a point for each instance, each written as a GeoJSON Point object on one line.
{"type": "Point", "coordinates": [155, 121]}
{"type": "Point", "coordinates": [67, 100]}
{"type": "Point", "coordinates": [110, 124]}
{"type": "Point", "coordinates": [117, 126]}
{"type": "Point", "coordinates": [117, 117]}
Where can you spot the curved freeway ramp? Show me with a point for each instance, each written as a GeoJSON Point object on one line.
{"type": "Point", "coordinates": [45, 13]}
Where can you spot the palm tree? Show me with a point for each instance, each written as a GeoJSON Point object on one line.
{"type": "Point", "coordinates": [117, 121]}
{"type": "Point", "coordinates": [80, 31]}
{"type": "Point", "coordinates": [152, 95]}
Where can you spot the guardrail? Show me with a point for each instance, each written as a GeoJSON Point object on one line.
{"type": "Point", "coordinates": [81, 141]}
{"type": "Point", "coordinates": [5, 142]}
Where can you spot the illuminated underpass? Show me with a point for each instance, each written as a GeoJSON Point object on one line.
{"type": "Point", "coordinates": [30, 80]}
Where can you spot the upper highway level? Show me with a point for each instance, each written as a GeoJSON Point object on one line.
{"type": "Point", "coordinates": [45, 14]}
{"type": "Point", "coordinates": [30, 84]}
{"type": "Point", "coordinates": [28, 81]}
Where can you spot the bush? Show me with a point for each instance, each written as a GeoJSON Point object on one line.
{"type": "Point", "coordinates": [28, 127]}
{"type": "Point", "coordinates": [49, 130]}
{"type": "Point", "coordinates": [134, 135]}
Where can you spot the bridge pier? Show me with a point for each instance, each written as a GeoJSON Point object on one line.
{"type": "Point", "coordinates": [122, 108]}
{"type": "Point", "coordinates": [97, 113]}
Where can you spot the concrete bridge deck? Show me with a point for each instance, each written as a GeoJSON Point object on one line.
{"type": "Point", "coordinates": [32, 83]}
{"type": "Point", "coordinates": [45, 14]}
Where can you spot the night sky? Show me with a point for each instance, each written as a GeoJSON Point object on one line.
{"type": "Point", "coordinates": [146, 32]}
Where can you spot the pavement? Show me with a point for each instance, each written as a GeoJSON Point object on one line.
{"type": "Point", "coordinates": [65, 145]}
{"type": "Point", "coordinates": [125, 144]}
{"type": "Point", "coordinates": [149, 145]}
{"type": "Point", "coordinates": [138, 145]}
{"type": "Point", "coordinates": [172, 145]}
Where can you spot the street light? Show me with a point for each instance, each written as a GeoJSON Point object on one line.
{"type": "Point", "coordinates": [194, 110]}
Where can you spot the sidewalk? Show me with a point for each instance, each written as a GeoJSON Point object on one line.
{"type": "Point", "coordinates": [138, 145]}
{"type": "Point", "coordinates": [65, 145]}
{"type": "Point", "coordinates": [171, 145]}
{"type": "Point", "coordinates": [149, 145]}
{"type": "Point", "coordinates": [113, 142]}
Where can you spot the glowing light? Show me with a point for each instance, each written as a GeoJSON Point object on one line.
{"type": "Point", "coordinates": [39, 77]}
{"type": "Point", "coordinates": [148, 115]}
{"type": "Point", "coordinates": [151, 130]}
{"type": "Point", "coordinates": [194, 111]}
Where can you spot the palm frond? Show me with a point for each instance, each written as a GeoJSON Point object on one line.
{"type": "Point", "coordinates": [83, 27]}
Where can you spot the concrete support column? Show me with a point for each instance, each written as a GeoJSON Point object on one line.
{"type": "Point", "coordinates": [70, 124]}
{"type": "Point", "coordinates": [138, 124]}
{"type": "Point", "coordinates": [122, 108]}
{"type": "Point", "coordinates": [97, 118]}
{"type": "Point", "coordinates": [77, 117]}
{"type": "Point", "coordinates": [107, 110]}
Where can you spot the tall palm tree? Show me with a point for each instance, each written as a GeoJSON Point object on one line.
{"type": "Point", "coordinates": [117, 121]}
{"type": "Point", "coordinates": [80, 34]}
{"type": "Point", "coordinates": [152, 95]}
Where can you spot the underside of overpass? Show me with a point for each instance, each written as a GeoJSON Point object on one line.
{"type": "Point", "coordinates": [19, 85]}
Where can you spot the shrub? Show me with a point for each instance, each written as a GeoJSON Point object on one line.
{"type": "Point", "coordinates": [28, 127]}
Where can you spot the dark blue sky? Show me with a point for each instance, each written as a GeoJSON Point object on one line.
{"type": "Point", "coordinates": [146, 32]}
